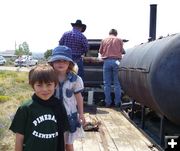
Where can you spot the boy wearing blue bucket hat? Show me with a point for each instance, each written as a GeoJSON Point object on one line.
{"type": "Point", "coordinates": [69, 90]}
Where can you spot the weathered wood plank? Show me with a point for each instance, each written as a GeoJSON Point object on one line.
{"type": "Point", "coordinates": [100, 142]}
{"type": "Point", "coordinates": [131, 132]}
{"type": "Point", "coordinates": [129, 135]}
{"type": "Point", "coordinates": [121, 142]}
{"type": "Point", "coordinates": [91, 144]}
{"type": "Point", "coordinates": [107, 141]}
{"type": "Point", "coordinates": [116, 133]}
{"type": "Point", "coordinates": [78, 145]}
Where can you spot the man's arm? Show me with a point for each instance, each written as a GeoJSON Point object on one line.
{"type": "Point", "coordinates": [123, 51]}
{"type": "Point", "coordinates": [85, 44]}
{"type": "Point", "coordinates": [61, 41]}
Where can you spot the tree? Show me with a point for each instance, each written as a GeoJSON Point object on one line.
{"type": "Point", "coordinates": [23, 49]}
{"type": "Point", "coordinates": [26, 48]}
{"type": "Point", "coordinates": [48, 53]}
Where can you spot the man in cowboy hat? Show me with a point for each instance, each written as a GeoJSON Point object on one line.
{"type": "Point", "coordinates": [75, 40]}
{"type": "Point", "coordinates": [78, 23]}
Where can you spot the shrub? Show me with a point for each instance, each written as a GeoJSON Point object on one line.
{"type": "Point", "coordinates": [4, 98]}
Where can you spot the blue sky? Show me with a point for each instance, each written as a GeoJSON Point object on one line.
{"type": "Point", "coordinates": [42, 22]}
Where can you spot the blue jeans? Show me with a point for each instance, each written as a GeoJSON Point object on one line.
{"type": "Point", "coordinates": [81, 68]}
{"type": "Point", "coordinates": [110, 76]}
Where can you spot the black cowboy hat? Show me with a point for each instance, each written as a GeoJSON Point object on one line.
{"type": "Point", "coordinates": [79, 23]}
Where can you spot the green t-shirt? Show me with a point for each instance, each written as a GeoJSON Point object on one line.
{"type": "Point", "coordinates": [38, 125]}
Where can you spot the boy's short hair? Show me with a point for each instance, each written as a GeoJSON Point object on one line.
{"type": "Point", "coordinates": [42, 73]}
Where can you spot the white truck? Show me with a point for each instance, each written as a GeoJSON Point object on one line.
{"type": "Point", "coordinates": [25, 60]}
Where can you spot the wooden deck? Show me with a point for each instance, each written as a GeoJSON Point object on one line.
{"type": "Point", "coordinates": [115, 133]}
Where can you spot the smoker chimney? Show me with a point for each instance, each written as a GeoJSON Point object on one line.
{"type": "Point", "coordinates": [152, 28]}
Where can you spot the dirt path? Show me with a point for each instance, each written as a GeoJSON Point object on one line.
{"type": "Point", "coordinates": [26, 69]}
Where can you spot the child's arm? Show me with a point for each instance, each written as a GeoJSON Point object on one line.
{"type": "Point", "coordinates": [19, 142]}
{"type": "Point", "coordinates": [79, 100]}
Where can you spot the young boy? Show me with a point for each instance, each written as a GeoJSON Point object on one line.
{"type": "Point", "coordinates": [40, 123]}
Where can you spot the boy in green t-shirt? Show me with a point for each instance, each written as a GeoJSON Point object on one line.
{"type": "Point", "coordinates": [40, 123]}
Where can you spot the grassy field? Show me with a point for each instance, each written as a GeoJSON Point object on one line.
{"type": "Point", "coordinates": [14, 89]}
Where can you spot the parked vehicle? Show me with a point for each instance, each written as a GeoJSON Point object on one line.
{"type": "Point", "coordinates": [25, 60]}
{"type": "Point", "coordinates": [2, 60]}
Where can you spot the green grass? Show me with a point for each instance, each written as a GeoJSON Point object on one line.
{"type": "Point", "coordinates": [14, 89]}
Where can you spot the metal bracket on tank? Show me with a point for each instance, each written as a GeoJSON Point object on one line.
{"type": "Point", "coordinates": [143, 116]}
{"type": "Point", "coordinates": [162, 130]}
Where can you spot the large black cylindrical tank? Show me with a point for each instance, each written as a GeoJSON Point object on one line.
{"type": "Point", "coordinates": [150, 74]}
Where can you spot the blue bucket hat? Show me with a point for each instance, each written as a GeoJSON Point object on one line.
{"type": "Point", "coordinates": [61, 53]}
